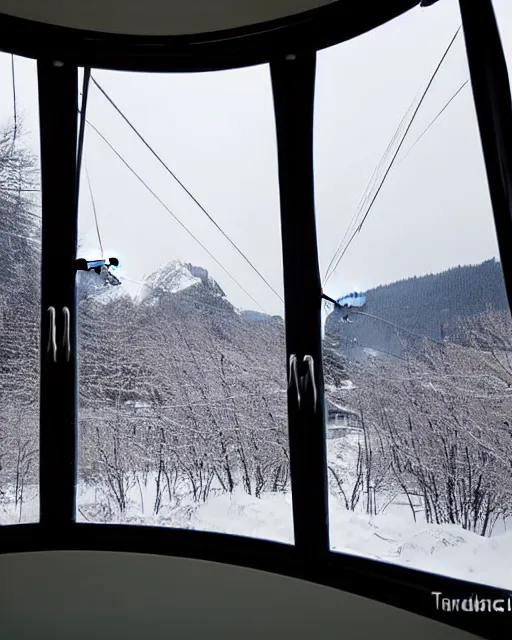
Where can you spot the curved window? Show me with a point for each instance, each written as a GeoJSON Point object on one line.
{"type": "Point", "coordinates": [418, 364]}
{"type": "Point", "coordinates": [503, 12]}
{"type": "Point", "coordinates": [182, 378]}
{"type": "Point", "coordinates": [20, 248]}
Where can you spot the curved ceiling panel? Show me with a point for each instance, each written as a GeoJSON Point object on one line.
{"type": "Point", "coordinates": [194, 35]}
{"type": "Point", "coordinates": [156, 17]}
{"type": "Point", "coordinates": [133, 596]}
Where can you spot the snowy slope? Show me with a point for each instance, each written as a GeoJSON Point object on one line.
{"type": "Point", "coordinates": [175, 277]}
{"type": "Point", "coordinates": [172, 278]}
{"type": "Point", "coordinates": [442, 549]}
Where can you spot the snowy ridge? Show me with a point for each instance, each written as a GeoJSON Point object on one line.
{"type": "Point", "coordinates": [90, 284]}
{"type": "Point", "coordinates": [174, 277]}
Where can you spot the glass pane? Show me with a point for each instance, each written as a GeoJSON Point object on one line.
{"type": "Point", "coordinates": [418, 365]}
{"type": "Point", "coordinates": [503, 12]}
{"type": "Point", "coordinates": [20, 246]}
{"type": "Point", "coordinates": [182, 375]}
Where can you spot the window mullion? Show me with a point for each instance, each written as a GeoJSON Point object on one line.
{"type": "Point", "coordinates": [293, 82]}
{"type": "Point", "coordinates": [58, 127]}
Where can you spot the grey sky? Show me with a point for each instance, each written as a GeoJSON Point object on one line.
{"type": "Point", "coordinates": [216, 131]}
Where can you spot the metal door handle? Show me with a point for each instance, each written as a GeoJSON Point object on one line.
{"type": "Point", "coordinates": [52, 341]}
{"type": "Point", "coordinates": [301, 382]}
{"type": "Point", "coordinates": [66, 340]}
{"type": "Point", "coordinates": [293, 376]}
{"type": "Point", "coordinates": [309, 360]}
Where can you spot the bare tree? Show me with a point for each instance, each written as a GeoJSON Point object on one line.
{"type": "Point", "coordinates": [441, 416]}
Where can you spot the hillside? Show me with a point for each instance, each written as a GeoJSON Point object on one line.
{"type": "Point", "coordinates": [428, 306]}
{"type": "Point", "coordinates": [180, 384]}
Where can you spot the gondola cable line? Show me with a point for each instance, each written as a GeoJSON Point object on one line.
{"type": "Point", "coordinates": [335, 302]}
{"type": "Point", "coordinates": [447, 104]}
{"type": "Point", "coordinates": [14, 104]}
{"type": "Point", "coordinates": [94, 212]}
{"type": "Point", "coordinates": [103, 265]}
{"type": "Point", "coordinates": [393, 159]}
{"type": "Point", "coordinates": [153, 193]}
{"type": "Point", "coordinates": [367, 192]}
{"type": "Point", "coordinates": [431, 123]}
{"type": "Point", "coordinates": [182, 185]}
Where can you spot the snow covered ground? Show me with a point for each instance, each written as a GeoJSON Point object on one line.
{"type": "Point", "coordinates": [444, 549]}
{"type": "Point", "coordinates": [391, 536]}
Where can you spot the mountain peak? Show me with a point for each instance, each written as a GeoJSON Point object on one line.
{"type": "Point", "coordinates": [177, 276]}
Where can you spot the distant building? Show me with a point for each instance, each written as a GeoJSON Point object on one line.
{"type": "Point", "coordinates": [340, 420]}
{"type": "Point", "coordinates": [137, 405]}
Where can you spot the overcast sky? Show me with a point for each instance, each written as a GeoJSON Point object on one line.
{"type": "Point", "coordinates": [216, 131]}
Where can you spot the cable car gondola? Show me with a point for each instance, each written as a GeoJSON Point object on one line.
{"type": "Point", "coordinates": [101, 267]}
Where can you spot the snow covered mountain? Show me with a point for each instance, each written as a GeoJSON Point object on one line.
{"type": "Point", "coordinates": [175, 277]}
{"type": "Point", "coordinates": [92, 285]}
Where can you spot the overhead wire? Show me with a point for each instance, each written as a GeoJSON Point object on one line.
{"type": "Point", "coordinates": [144, 284]}
{"type": "Point", "coordinates": [420, 102]}
{"type": "Point", "coordinates": [81, 130]}
{"type": "Point", "coordinates": [368, 190]}
{"type": "Point", "coordinates": [366, 194]}
{"type": "Point", "coordinates": [15, 109]}
{"type": "Point", "coordinates": [434, 120]}
{"type": "Point", "coordinates": [396, 326]}
{"type": "Point", "coordinates": [219, 312]}
{"type": "Point", "coordinates": [182, 185]}
{"type": "Point", "coordinates": [94, 211]}
{"type": "Point", "coordinates": [429, 84]}
{"type": "Point", "coordinates": [359, 208]}
{"type": "Point", "coordinates": [370, 315]}
{"type": "Point", "coordinates": [144, 183]}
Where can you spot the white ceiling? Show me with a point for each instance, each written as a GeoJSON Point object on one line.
{"type": "Point", "coordinates": [156, 17]}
